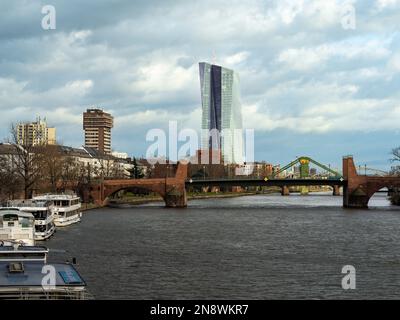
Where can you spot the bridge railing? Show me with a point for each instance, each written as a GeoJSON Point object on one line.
{"type": "Point", "coordinates": [244, 178]}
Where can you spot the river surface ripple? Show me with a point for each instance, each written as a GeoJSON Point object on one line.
{"type": "Point", "coordinates": [252, 247]}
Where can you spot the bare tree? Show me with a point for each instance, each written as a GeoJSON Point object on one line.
{"type": "Point", "coordinates": [70, 173]}
{"type": "Point", "coordinates": [396, 154]}
{"type": "Point", "coordinates": [52, 165]}
{"type": "Point", "coordinates": [395, 170]}
{"type": "Point", "coordinates": [27, 162]}
{"type": "Point", "coordinates": [10, 185]}
{"type": "Point", "coordinates": [111, 169]}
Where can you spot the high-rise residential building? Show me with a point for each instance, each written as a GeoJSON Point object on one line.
{"type": "Point", "coordinates": [35, 133]}
{"type": "Point", "coordinates": [97, 125]}
{"type": "Point", "coordinates": [221, 111]}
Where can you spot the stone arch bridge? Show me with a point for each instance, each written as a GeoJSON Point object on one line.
{"type": "Point", "coordinates": [171, 189]}
{"type": "Point", "coordinates": [357, 189]}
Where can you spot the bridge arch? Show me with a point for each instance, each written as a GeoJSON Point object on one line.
{"type": "Point", "coordinates": [363, 194]}
{"type": "Point", "coordinates": [360, 188]}
{"type": "Point", "coordinates": [109, 193]}
{"type": "Point", "coordinates": [172, 190]}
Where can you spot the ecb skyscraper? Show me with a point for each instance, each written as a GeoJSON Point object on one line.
{"type": "Point", "coordinates": [222, 111]}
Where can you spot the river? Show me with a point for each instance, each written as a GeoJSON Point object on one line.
{"type": "Point", "coordinates": [252, 247]}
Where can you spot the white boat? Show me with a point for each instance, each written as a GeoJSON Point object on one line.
{"type": "Point", "coordinates": [26, 274]}
{"type": "Point", "coordinates": [16, 226]}
{"type": "Point", "coordinates": [43, 212]}
{"type": "Point", "coordinates": [67, 208]}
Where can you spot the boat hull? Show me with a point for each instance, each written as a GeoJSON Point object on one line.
{"type": "Point", "coordinates": [41, 236]}
{"type": "Point", "coordinates": [64, 222]}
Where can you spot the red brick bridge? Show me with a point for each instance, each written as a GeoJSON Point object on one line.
{"type": "Point", "coordinates": [360, 188]}
{"type": "Point", "coordinates": [172, 190]}
{"type": "Point", "coordinates": [357, 189]}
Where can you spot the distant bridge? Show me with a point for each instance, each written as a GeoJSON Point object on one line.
{"type": "Point", "coordinates": [283, 183]}
{"type": "Point", "coordinates": [357, 189]}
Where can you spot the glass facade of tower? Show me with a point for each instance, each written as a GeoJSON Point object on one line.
{"type": "Point", "coordinates": [221, 110]}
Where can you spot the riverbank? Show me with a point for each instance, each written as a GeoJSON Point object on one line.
{"type": "Point", "coordinates": [144, 200]}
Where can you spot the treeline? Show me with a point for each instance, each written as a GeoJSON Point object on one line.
{"type": "Point", "coordinates": [25, 169]}
{"type": "Point", "coordinates": [395, 197]}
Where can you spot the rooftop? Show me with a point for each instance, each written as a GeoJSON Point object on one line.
{"type": "Point", "coordinates": [32, 276]}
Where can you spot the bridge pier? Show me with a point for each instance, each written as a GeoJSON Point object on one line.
{"type": "Point", "coordinates": [304, 190]}
{"type": "Point", "coordinates": [356, 202]}
{"type": "Point", "coordinates": [176, 198]}
{"type": "Point", "coordinates": [336, 190]}
{"type": "Point", "coordinates": [359, 188]}
{"type": "Point", "coordinates": [355, 194]}
{"type": "Point", "coordinates": [285, 191]}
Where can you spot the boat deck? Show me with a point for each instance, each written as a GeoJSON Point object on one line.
{"type": "Point", "coordinates": [25, 274]}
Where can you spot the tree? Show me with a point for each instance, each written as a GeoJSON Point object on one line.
{"type": "Point", "coordinates": [136, 172]}
{"type": "Point", "coordinates": [10, 184]}
{"type": "Point", "coordinates": [395, 159]}
{"type": "Point", "coordinates": [52, 165]}
{"type": "Point", "coordinates": [71, 172]}
{"type": "Point", "coordinates": [27, 162]}
{"type": "Point", "coordinates": [395, 197]}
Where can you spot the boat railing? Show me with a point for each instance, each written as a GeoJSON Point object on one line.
{"type": "Point", "coordinates": [26, 204]}
{"type": "Point", "coordinates": [43, 294]}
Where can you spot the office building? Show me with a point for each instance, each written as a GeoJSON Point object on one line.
{"type": "Point", "coordinates": [97, 125]}
{"type": "Point", "coordinates": [221, 112]}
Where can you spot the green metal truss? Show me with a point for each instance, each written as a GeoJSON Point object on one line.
{"type": "Point", "coordinates": [304, 162]}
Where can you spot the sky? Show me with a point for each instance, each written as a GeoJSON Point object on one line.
{"type": "Point", "coordinates": [317, 78]}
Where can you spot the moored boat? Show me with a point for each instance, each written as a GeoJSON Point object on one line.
{"type": "Point", "coordinates": [26, 274]}
{"type": "Point", "coordinates": [16, 226]}
{"type": "Point", "coordinates": [67, 208]}
{"type": "Point", "coordinates": [43, 212]}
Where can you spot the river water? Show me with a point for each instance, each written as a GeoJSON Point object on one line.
{"type": "Point", "coordinates": [252, 247]}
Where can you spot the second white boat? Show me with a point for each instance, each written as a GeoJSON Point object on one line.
{"type": "Point", "coordinates": [67, 208]}
{"type": "Point", "coordinates": [43, 212]}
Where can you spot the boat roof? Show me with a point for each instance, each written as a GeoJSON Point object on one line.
{"type": "Point", "coordinates": [6, 211]}
{"type": "Point", "coordinates": [34, 203]}
{"type": "Point", "coordinates": [29, 272]}
{"type": "Point", "coordinates": [32, 276]}
{"type": "Point", "coordinates": [56, 197]}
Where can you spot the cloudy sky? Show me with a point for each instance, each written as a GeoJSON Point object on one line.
{"type": "Point", "coordinates": [313, 81]}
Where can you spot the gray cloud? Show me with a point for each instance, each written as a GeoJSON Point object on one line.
{"type": "Point", "coordinates": [138, 59]}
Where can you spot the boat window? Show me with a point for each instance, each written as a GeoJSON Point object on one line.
{"type": "Point", "coordinates": [40, 228]}
{"type": "Point", "coordinates": [10, 217]}
{"type": "Point", "coordinates": [26, 222]}
{"type": "Point", "coordinates": [40, 215]}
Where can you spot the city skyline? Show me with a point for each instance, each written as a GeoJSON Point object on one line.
{"type": "Point", "coordinates": [309, 86]}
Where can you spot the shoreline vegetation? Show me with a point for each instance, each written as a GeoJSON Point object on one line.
{"type": "Point", "coordinates": [395, 199]}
